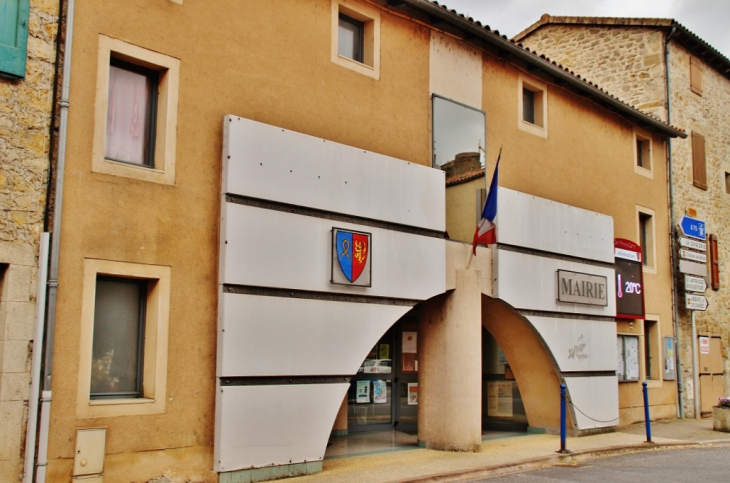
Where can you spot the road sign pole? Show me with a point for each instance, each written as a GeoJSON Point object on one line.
{"type": "Point", "coordinates": [695, 367]}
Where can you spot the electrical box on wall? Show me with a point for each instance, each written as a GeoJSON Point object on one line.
{"type": "Point", "coordinates": [89, 456]}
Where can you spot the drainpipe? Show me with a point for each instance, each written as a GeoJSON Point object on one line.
{"type": "Point", "coordinates": [695, 367]}
{"type": "Point", "coordinates": [673, 234]}
{"type": "Point", "coordinates": [35, 385]}
{"type": "Point", "coordinates": [52, 288]}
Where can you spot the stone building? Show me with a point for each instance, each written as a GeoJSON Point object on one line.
{"type": "Point", "coordinates": [662, 68]}
{"type": "Point", "coordinates": [27, 75]}
{"type": "Point", "coordinates": [220, 181]}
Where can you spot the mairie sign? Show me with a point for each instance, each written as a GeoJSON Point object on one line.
{"type": "Point", "coordinates": [693, 227]}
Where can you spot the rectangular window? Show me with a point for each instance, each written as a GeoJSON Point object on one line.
{"type": "Point", "coordinates": [699, 168]}
{"type": "Point", "coordinates": [124, 339]}
{"type": "Point", "coordinates": [646, 238]}
{"type": "Point", "coordinates": [131, 114]}
{"type": "Point", "coordinates": [135, 112]}
{"type": "Point", "coordinates": [350, 38]}
{"type": "Point", "coordinates": [627, 351]}
{"type": "Point", "coordinates": [532, 106]}
{"type": "Point", "coordinates": [356, 37]}
{"type": "Point", "coordinates": [727, 182]}
{"type": "Point", "coordinates": [118, 346]}
{"type": "Point", "coordinates": [695, 75]}
{"type": "Point", "coordinates": [13, 37]}
{"type": "Point", "coordinates": [643, 153]}
{"type": "Point", "coordinates": [651, 350]}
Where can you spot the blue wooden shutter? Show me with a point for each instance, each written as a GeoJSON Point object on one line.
{"type": "Point", "coordinates": [13, 37]}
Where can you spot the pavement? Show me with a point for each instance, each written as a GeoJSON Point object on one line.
{"type": "Point", "coordinates": [512, 454]}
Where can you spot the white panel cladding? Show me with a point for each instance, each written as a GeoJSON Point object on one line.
{"type": "Point", "coordinates": [528, 221]}
{"type": "Point", "coordinates": [259, 426]}
{"type": "Point", "coordinates": [530, 282]}
{"type": "Point", "coordinates": [267, 162]}
{"type": "Point", "coordinates": [275, 249]}
{"type": "Point", "coordinates": [579, 345]}
{"type": "Point", "coordinates": [455, 70]}
{"type": "Point", "coordinates": [270, 336]}
{"type": "Point", "coordinates": [597, 398]}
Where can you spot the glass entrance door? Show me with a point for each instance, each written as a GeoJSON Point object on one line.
{"type": "Point", "coordinates": [384, 392]}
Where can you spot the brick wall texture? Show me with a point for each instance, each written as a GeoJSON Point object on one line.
{"type": "Point", "coordinates": [629, 63]}
{"type": "Point", "coordinates": [25, 119]}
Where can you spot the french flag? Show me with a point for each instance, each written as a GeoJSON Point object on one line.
{"type": "Point", "coordinates": [486, 232]}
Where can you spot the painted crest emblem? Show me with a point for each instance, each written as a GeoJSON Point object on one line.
{"type": "Point", "coordinates": [351, 250]}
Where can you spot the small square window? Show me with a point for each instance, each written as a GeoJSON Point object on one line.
{"type": "Point", "coordinates": [131, 114]}
{"type": "Point", "coordinates": [356, 37]}
{"type": "Point", "coordinates": [118, 346]}
{"type": "Point", "coordinates": [532, 107]}
{"type": "Point", "coordinates": [643, 155]}
{"type": "Point", "coordinates": [350, 38]}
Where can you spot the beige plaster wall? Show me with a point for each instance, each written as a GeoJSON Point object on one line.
{"type": "Point", "coordinates": [229, 64]}
{"type": "Point", "coordinates": [624, 60]}
{"type": "Point", "coordinates": [25, 119]}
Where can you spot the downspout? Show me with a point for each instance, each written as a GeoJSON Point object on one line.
{"type": "Point", "coordinates": [673, 233]}
{"type": "Point", "coordinates": [52, 289]}
{"type": "Point", "coordinates": [35, 384]}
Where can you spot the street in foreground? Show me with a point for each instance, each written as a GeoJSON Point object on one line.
{"type": "Point", "coordinates": [666, 466]}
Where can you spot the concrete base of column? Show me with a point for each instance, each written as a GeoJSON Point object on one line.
{"type": "Point", "coordinates": [340, 426]}
{"type": "Point", "coordinates": [450, 379]}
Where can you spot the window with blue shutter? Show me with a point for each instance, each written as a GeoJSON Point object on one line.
{"type": "Point", "coordinates": [13, 37]}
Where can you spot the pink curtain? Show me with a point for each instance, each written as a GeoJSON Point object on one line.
{"type": "Point", "coordinates": [126, 121]}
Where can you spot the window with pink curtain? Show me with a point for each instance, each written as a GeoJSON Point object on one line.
{"type": "Point", "coordinates": [129, 116]}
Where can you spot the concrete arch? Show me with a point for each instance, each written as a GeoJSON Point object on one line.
{"type": "Point", "coordinates": [532, 363]}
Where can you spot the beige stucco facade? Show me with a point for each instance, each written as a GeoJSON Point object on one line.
{"type": "Point", "coordinates": [161, 223]}
{"type": "Point", "coordinates": [25, 127]}
{"type": "Point", "coordinates": [633, 66]}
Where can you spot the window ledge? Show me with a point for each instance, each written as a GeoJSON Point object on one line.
{"type": "Point", "coordinates": [533, 129]}
{"type": "Point", "coordinates": [114, 402]}
{"type": "Point", "coordinates": [648, 269]}
{"type": "Point", "coordinates": [653, 383]}
{"type": "Point", "coordinates": [644, 172]}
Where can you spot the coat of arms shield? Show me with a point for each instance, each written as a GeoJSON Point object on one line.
{"type": "Point", "coordinates": [351, 255]}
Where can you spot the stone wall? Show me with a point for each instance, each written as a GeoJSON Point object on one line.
{"type": "Point", "coordinates": [629, 63]}
{"type": "Point", "coordinates": [25, 118]}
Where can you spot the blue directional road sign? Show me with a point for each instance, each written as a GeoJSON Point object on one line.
{"type": "Point", "coordinates": [693, 227]}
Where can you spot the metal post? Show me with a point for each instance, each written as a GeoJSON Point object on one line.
{"type": "Point", "coordinates": [562, 420]}
{"type": "Point", "coordinates": [695, 368]}
{"type": "Point", "coordinates": [646, 412]}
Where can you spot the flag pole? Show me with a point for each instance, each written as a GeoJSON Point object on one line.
{"type": "Point", "coordinates": [471, 255]}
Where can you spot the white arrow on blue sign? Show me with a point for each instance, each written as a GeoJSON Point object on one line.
{"type": "Point", "coordinates": [693, 227]}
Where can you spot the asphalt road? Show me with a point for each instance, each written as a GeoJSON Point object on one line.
{"type": "Point", "coordinates": [710, 464]}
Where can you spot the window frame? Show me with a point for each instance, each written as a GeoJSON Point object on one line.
{"type": "Point", "coordinates": [540, 106]}
{"type": "Point", "coordinates": [652, 356]}
{"type": "Point", "coordinates": [13, 59]}
{"type": "Point", "coordinates": [165, 124]}
{"type": "Point", "coordinates": [153, 78]}
{"type": "Point", "coordinates": [370, 45]}
{"type": "Point", "coordinates": [360, 27]}
{"type": "Point", "coordinates": [640, 152]}
{"type": "Point", "coordinates": [647, 241]}
{"type": "Point", "coordinates": [142, 287]}
{"type": "Point", "coordinates": [156, 324]}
